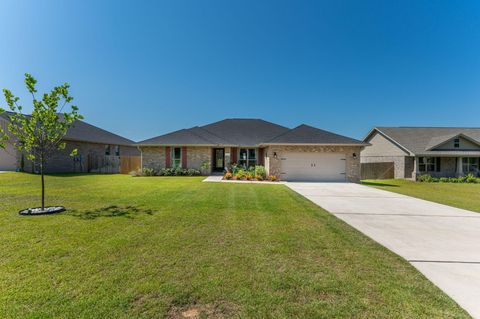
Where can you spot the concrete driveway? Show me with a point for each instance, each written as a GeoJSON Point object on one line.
{"type": "Point", "coordinates": [442, 242]}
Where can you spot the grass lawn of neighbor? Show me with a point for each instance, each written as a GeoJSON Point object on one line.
{"type": "Point", "coordinates": [461, 195]}
{"type": "Point", "coordinates": [167, 247]}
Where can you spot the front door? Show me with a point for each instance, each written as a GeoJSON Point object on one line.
{"type": "Point", "coordinates": [218, 159]}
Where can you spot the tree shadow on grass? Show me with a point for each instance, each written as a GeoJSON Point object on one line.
{"type": "Point", "coordinates": [111, 211]}
{"type": "Point", "coordinates": [378, 184]}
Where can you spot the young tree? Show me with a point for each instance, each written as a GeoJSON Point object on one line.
{"type": "Point", "coordinates": [40, 134]}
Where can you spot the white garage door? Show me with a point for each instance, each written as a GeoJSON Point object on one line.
{"type": "Point", "coordinates": [8, 161]}
{"type": "Point", "coordinates": [322, 167]}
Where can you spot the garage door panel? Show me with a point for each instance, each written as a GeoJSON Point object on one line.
{"type": "Point", "coordinates": [327, 167]}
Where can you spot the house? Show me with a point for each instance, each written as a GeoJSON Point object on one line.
{"type": "Point", "coordinates": [303, 153]}
{"type": "Point", "coordinates": [438, 151]}
{"type": "Point", "coordinates": [98, 151]}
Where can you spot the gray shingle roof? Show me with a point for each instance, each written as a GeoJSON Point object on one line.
{"type": "Point", "coordinates": [83, 132]}
{"type": "Point", "coordinates": [249, 132]}
{"type": "Point", "coordinates": [246, 132]}
{"type": "Point", "coordinates": [419, 140]}
{"type": "Point", "coordinates": [305, 134]}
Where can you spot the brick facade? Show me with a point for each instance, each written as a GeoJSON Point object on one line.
{"type": "Point", "coordinates": [158, 157]}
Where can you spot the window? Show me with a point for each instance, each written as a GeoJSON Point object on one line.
{"type": "Point", "coordinates": [107, 150]}
{"type": "Point", "coordinates": [176, 157]}
{"type": "Point", "coordinates": [248, 157]}
{"type": "Point", "coordinates": [427, 164]}
{"type": "Point", "coordinates": [117, 150]}
{"type": "Point", "coordinates": [470, 164]}
{"type": "Point", "coordinates": [456, 143]}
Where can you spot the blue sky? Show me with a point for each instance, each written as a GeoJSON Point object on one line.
{"type": "Point", "coordinates": [143, 68]}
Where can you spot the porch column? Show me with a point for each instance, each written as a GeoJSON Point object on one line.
{"type": "Point", "coordinates": [415, 168]}
{"type": "Point", "coordinates": [228, 157]}
{"type": "Point", "coordinates": [460, 166]}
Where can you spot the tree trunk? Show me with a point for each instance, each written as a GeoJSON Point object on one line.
{"type": "Point", "coordinates": [43, 184]}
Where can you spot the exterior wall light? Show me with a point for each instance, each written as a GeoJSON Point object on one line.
{"type": "Point", "coordinates": [275, 155]}
{"type": "Point", "coordinates": [354, 155]}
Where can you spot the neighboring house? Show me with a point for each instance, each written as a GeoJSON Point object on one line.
{"type": "Point", "coordinates": [438, 151]}
{"type": "Point", "coordinates": [303, 153]}
{"type": "Point", "coordinates": [97, 151]}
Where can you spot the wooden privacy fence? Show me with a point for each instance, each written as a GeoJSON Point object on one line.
{"type": "Point", "coordinates": [384, 170]}
{"type": "Point", "coordinates": [112, 164]}
{"type": "Point", "coordinates": [130, 163]}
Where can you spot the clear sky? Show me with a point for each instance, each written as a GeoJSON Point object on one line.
{"type": "Point", "coordinates": [144, 68]}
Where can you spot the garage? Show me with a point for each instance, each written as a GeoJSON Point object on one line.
{"type": "Point", "coordinates": [303, 166]}
{"type": "Point", "coordinates": [8, 162]}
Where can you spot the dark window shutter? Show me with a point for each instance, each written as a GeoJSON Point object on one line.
{"type": "Point", "coordinates": [439, 160]}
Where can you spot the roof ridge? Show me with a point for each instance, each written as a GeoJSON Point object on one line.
{"type": "Point", "coordinates": [283, 133]}
{"type": "Point", "coordinates": [210, 132]}
{"type": "Point", "coordinates": [201, 137]}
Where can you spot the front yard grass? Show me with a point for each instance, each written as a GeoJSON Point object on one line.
{"type": "Point", "coordinates": [150, 247]}
{"type": "Point", "coordinates": [461, 195]}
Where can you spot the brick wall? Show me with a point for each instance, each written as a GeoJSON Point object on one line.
{"type": "Point", "coordinates": [155, 157]}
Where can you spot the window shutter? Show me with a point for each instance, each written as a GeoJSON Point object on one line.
{"type": "Point", "coordinates": [439, 160]}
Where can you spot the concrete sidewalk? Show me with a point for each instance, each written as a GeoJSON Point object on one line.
{"type": "Point", "coordinates": [442, 242]}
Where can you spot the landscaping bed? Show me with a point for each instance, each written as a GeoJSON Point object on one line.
{"type": "Point", "coordinates": [254, 173]}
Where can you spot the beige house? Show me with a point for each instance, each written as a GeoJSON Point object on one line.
{"type": "Point", "coordinates": [437, 151]}
{"type": "Point", "coordinates": [303, 153]}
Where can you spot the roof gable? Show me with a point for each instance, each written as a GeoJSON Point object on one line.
{"type": "Point", "coordinates": [446, 142]}
{"type": "Point", "coordinates": [422, 140]}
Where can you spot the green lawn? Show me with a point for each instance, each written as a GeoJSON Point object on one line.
{"type": "Point", "coordinates": [466, 196]}
{"type": "Point", "coordinates": [151, 247]}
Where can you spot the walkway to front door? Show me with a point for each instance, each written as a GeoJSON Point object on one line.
{"type": "Point", "coordinates": [442, 242]}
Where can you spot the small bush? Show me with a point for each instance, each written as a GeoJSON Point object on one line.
{"type": "Point", "coordinates": [149, 172]}
{"type": "Point", "coordinates": [259, 178]}
{"type": "Point", "coordinates": [272, 178]}
{"type": "Point", "coordinates": [240, 174]}
{"type": "Point", "coordinates": [228, 176]}
{"type": "Point", "coordinates": [249, 176]}
{"type": "Point", "coordinates": [469, 178]}
{"type": "Point", "coordinates": [179, 172]}
{"type": "Point", "coordinates": [260, 171]}
{"type": "Point", "coordinates": [426, 178]}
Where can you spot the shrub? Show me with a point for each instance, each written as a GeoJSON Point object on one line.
{"type": "Point", "coordinates": [259, 177]}
{"type": "Point", "coordinates": [426, 178]}
{"type": "Point", "coordinates": [240, 174]}
{"type": "Point", "coordinates": [193, 172]}
{"type": "Point", "coordinates": [272, 178]}
{"type": "Point", "coordinates": [249, 176]}
{"type": "Point", "coordinates": [149, 172]}
{"type": "Point", "coordinates": [233, 168]}
{"type": "Point", "coordinates": [470, 178]}
{"type": "Point", "coordinates": [260, 171]}
{"type": "Point", "coordinates": [228, 175]}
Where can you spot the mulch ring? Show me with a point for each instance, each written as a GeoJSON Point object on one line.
{"type": "Point", "coordinates": [39, 211]}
